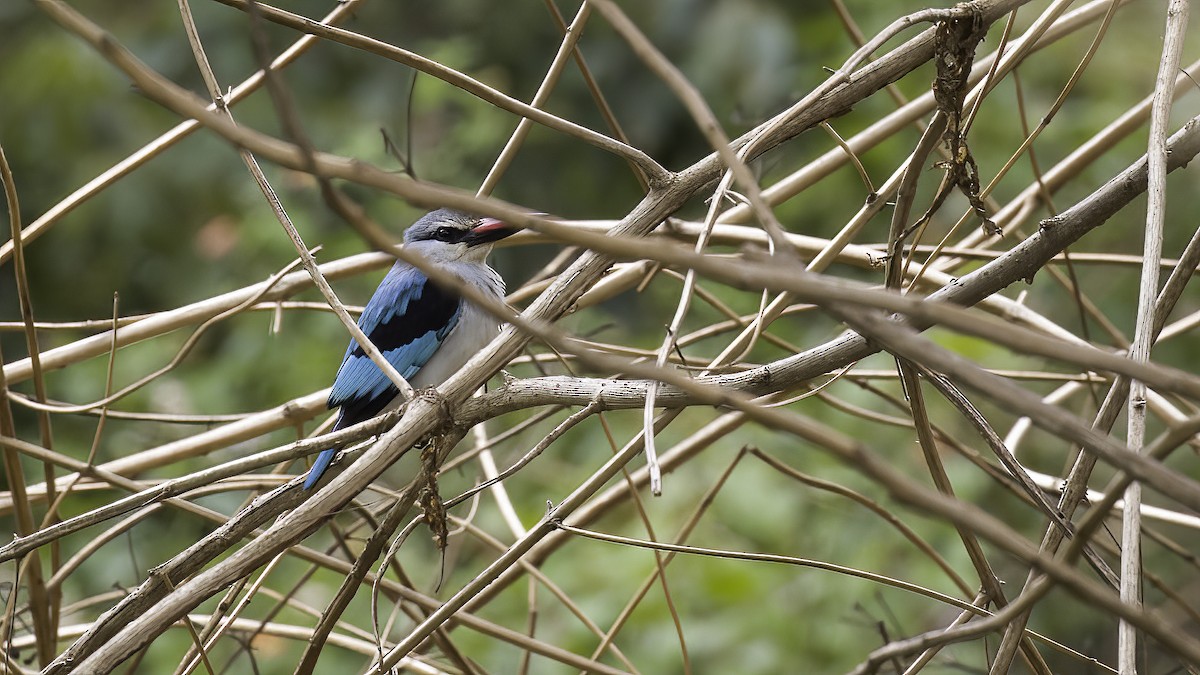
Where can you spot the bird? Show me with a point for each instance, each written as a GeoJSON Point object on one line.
{"type": "Point", "coordinates": [427, 332]}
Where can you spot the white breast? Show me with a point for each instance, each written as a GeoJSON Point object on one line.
{"type": "Point", "coordinates": [475, 329]}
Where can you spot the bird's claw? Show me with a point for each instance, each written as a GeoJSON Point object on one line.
{"type": "Point", "coordinates": [432, 395]}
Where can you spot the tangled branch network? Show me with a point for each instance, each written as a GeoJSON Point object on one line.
{"type": "Point", "coordinates": [890, 402]}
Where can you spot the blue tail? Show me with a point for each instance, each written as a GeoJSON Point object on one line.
{"type": "Point", "coordinates": [318, 468]}
{"type": "Point", "coordinates": [326, 456]}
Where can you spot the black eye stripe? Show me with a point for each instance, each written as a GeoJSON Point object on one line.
{"type": "Point", "coordinates": [448, 234]}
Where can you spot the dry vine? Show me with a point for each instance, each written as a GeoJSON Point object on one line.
{"type": "Point", "coordinates": [929, 308]}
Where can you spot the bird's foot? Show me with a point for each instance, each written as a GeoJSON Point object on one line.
{"type": "Point", "coordinates": [435, 397]}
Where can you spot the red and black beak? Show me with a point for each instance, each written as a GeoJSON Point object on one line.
{"type": "Point", "coordinates": [487, 231]}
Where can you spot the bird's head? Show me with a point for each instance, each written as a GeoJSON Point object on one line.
{"type": "Point", "coordinates": [446, 235]}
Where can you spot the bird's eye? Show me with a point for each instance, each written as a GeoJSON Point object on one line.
{"type": "Point", "coordinates": [445, 234]}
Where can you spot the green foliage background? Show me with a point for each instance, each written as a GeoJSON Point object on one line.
{"type": "Point", "coordinates": [191, 224]}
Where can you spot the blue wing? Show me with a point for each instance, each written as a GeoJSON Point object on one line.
{"type": "Point", "coordinates": [407, 319]}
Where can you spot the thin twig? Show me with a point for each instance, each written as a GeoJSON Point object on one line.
{"type": "Point", "coordinates": [1131, 530]}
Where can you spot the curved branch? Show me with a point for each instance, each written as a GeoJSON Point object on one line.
{"type": "Point", "coordinates": [653, 170]}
